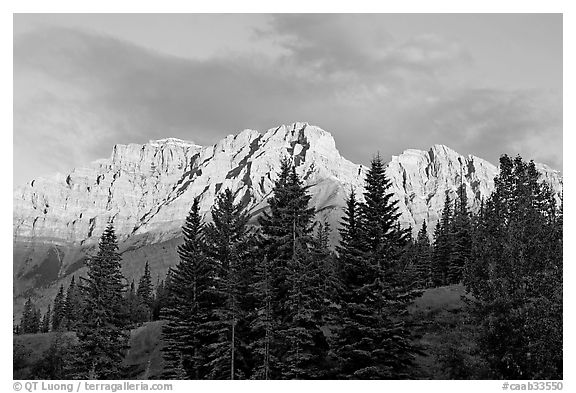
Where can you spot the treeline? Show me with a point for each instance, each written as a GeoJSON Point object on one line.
{"type": "Point", "coordinates": [276, 301]}
{"type": "Point", "coordinates": [142, 303]}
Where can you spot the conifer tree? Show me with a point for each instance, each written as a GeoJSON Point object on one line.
{"type": "Point", "coordinates": [59, 312]}
{"type": "Point", "coordinates": [46, 320]}
{"type": "Point", "coordinates": [304, 342]}
{"type": "Point", "coordinates": [515, 275]}
{"type": "Point", "coordinates": [55, 362]}
{"type": "Point", "coordinates": [159, 300]}
{"type": "Point", "coordinates": [423, 258]}
{"type": "Point", "coordinates": [132, 305]}
{"type": "Point", "coordinates": [442, 244]}
{"type": "Point", "coordinates": [227, 245]}
{"type": "Point", "coordinates": [72, 304]}
{"type": "Point", "coordinates": [30, 323]}
{"type": "Point", "coordinates": [102, 339]}
{"type": "Point", "coordinates": [325, 262]}
{"type": "Point", "coordinates": [461, 234]}
{"type": "Point", "coordinates": [373, 341]}
{"type": "Point", "coordinates": [263, 324]}
{"type": "Point", "coordinates": [37, 320]}
{"type": "Point", "coordinates": [144, 293]}
{"type": "Point", "coordinates": [188, 304]}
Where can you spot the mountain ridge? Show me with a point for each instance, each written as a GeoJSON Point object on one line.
{"type": "Point", "coordinates": [147, 190]}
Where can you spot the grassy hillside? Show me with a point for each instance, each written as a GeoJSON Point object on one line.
{"type": "Point", "coordinates": [446, 335]}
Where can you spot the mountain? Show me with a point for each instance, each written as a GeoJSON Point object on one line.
{"type": "Point", "coordinates": [146, 191]}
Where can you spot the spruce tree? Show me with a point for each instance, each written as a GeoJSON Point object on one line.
{"type": "Point", "coordinates": [515, 276]}
{"type": "Point", "coordinates": [300, 312]}
{"type": "Point", "coordinates": [423, 258]}
{"type": "Point", "coordinates": [461, 238]}
{"type": "Point", "coordinates": [144, 293]}
{"type": "Point", "coordinates": [227, 245]}
{"type": "Point", "coordinates": [263, 323]}
{"type": "Point", "coordinates": [442, 244]}
{"type": "Point", "coordinates": [188, 305]}
{"type": "Point", "coordinates": [72, 304]}
{"type": "Point", "coordinates": [374, 341]}
{"type": "Point", "coordinates": [325, 263]}
{"type": "Point", "coordinates": [159, 300]}
{"type": "Point", "coordinates": [102, 339]}
{"type": "Point", "coordinates": [46, 320]}
{"type": "Point", "coordinates": [59, 312]}
{"type": "Point", "coordinates": [30, 323]}
{"type": "Point", "coordinates": [132, 305]}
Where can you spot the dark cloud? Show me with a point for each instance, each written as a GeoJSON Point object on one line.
{"type": "Point", "coordinates": [76, 94]}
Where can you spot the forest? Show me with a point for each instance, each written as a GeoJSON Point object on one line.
{"type": "Point", "coordinates": [277, 300]}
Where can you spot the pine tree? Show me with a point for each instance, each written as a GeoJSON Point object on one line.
{"type": "Point", "coordinates": [227, 246]}
{"type": "Point", "coordinates": [515, 275]}
{"type": "Point", "coordinates": [442, 244]}
{"type": "Point", "coordinates": [159, 300]}
{"type": "Point", "coordinates": [72, 304]}
{"type": "Point", "coordinates": [101, 335]}
{"type": "Point", "coordinates": [132, 305]}
{"type": "Point", "coordinates": [328, 284]}
{"type": "Point", "coordinates": [263, 325]}
{"type": "Point", "coordinates": [46, 320]}
{"type": "Point", "coordinates": [30, 322]}
{"type": "Point", "coordinates": [59, 310]}
{"type": "Point", "coordinates": [461, 238]}
{"type": "Point", "coordinates": [287, 242]}
{"type": "Point", "coordinates": [37, 320]}
{"type": "Point", "coordinates": [144, 293]}
{"type": "Point", "coordinates": [423, 258]}
{"type": "Point", "coordinates": [55, 362]}
{"type": "Point", "coordinates": [374, 341]}
{"type": "Point", "coordinates": [188, 304]}
{"type": "Point", "coordinates": [300, 331]}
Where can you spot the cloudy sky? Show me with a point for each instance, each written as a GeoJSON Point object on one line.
{"type": "Point", "coordinates": [481, 84]}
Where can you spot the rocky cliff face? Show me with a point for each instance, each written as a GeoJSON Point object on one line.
{"type": "Point", "coordinates": [147, 190]}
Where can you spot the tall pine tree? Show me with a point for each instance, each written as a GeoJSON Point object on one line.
{"type": "Point", "coordinates": [374, 341]}
{"type": "Point", "coordinates": [515, 276]}
{"type": "Point", "coordinates": [59, 312]}
{"type": "Point", "coordinates": [227, 245]}
{"type": "Point", "coordinates": [188, 305]}
{"type": "Point", "coordinates": [102, 339]}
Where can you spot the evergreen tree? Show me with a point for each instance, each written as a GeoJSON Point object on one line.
{"type": "Point", "coordinates": [72, 304]}
{"type": "Point", "coordinates": [328, 283]}
{"type": "Point", "coordinates": [442, 244]}
{"type": "Point", "coordinates": [144, 293]}
{"type": "Point", "coordinates": [188, 304]}
{"type": "Point", "coordinates": [263, 323]}
{"type": "Point", "coordinates": [423, 258]}
{"type": "Point", "coordinates": [132, 304]}
{"type": "Point", "coordinates": [102, 340]}
{"type": "Point", "coordinates": [159, 300]}
{"type": "Point", "coordinates": [515, 276]}
{"type": "Point", "coordinates": [373, 341]}
{"type": "Point", "coordinates": [227, 245]}
{"type": "Point", "coordinates": [46, 320]}
{"type": "Point", "coordinates": [303, 342]}
{"type": "Point", "coordinates": [30, 322]}
{"type": "Point", "coordinates": [461, 238]}
{"type": "Point", "coordinates": [287, 242]}
{"type": "Point", "coordinates": [55, 362]}
{"type": "Point", "coordinates": [59, 312]}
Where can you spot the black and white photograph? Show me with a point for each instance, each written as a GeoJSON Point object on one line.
{"type": "Point", "coordinates": [287, 196]}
